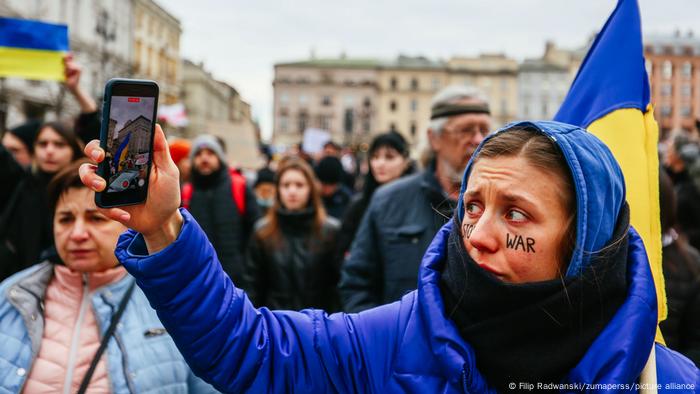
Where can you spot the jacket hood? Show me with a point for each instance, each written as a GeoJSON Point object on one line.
{"type": "Point", "coordinates": [598, 183]}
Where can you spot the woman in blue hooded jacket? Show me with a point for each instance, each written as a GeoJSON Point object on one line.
{"type": "Point", "coordinates": [538, 283]}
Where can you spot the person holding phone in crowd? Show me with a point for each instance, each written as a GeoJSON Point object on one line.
{"type": "Point", "coordinates": [538, 278]}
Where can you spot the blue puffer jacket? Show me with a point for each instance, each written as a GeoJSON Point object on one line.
{"type": "Point", "coordinates": [408, 346]}
{"type": "Point", "coordinates": [136, 362]}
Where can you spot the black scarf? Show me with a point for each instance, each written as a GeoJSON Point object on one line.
{"type": "Point", "coordinates": [533, 332]}
{"type": "Point", "coordinates": [296, 223]}
{"type": "Point", "coordinates": [212, 180]}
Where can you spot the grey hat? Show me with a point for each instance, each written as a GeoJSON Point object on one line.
{"type": "Point", "coordinates": [210, 142]}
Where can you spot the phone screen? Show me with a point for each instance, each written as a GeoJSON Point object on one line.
{"type": "Point", "coordinates": [128, 121]}
{"type": "Point", "coordinates": [129, 142]}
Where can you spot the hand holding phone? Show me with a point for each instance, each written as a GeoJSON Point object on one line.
{"type": "Point", "coordinates": [158, 219]}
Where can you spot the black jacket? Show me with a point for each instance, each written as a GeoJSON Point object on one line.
{"type": "Point", "coordinates": [688, 207]}
{"type": "Point", "coordinates": [336, 203]}
{"type": "Point", "coordinates": [681, 329]}
{"type": "Point", "coordinates": [212, 205]}
{"type": "Point", "coordinates": [25, 220]}
{"type": "Point", "coordinates": [356, 210]}
{"type": "Point", "coordinates": [396, 229]}
{"type": "Point", "coordinates": [297, 272]}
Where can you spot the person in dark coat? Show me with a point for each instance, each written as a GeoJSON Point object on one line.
{"type": "Point", "coordinates": [403, 216]}
{"type": "Point", "coordinates": [682, 160]}
{"type": "Point", "coordinates": [289, 264]}
{"type": "Point", "coordinates": [335, 194]}
{"type": "Point", "coordinates": [25, 223]}
{"type": "Point", "coordinates": [213, 203]}
{"type": "Point", "coordinates": [387, 161]}
{"type": "Point", "coordinates": [681, 268]}
{"type": "Point", "coordinates": [264, 188]}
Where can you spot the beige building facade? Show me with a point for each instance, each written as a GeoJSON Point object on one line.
{"type": "Point", "coordinates": [157, 48]}
{"type": "Point", "coordinates": [496, 76]}
{"type": "Point", "coordinates": [215, 107]}
{"type": "Point", "coordinates": [406, 88]}
{"type": "Point", "coordinates": [355, 99]}
{"type": "Point", "coordinates": [673, 65]}
{"type": "Point", "coordinates": [336, 95]}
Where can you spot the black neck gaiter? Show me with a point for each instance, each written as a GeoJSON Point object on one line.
{"type": "Point", "coordinates": [208, 181]}
{"type": "Point", "coordinates": [532, 332]}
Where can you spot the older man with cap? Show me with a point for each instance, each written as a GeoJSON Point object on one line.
{"type": "Point", "coordinates": [403, 217]}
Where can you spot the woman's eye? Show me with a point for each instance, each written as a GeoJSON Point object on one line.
{"type": "Point", "coordinates": [516, 216]}
{"type": "Point", "coordinates": [65, 220]}
{"type": "Point", "coordinates": [472, 208]}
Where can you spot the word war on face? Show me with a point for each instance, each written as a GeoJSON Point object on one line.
{"type": "Point", "coordinates": [515, 242]}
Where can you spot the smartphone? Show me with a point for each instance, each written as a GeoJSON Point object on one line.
{"type": "Point", "coordinates": [126, 135]}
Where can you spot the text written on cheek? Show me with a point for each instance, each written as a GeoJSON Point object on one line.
{"type": "Point", "coordinates": [467, 230]}
{"type": "Point", "coordinates": [516, 241]}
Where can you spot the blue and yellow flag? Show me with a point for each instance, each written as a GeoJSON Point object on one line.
{"type": "Point", "coordinates": [610, 97]}
{"type": "Point", "coordinates": [32, 49]}
{"type": "Point", "coordinates": [122, 152]}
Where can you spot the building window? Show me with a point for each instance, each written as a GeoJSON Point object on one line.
{"type": "Point", "coordinates": [349, 101]}
{"type": "Point", "coordinates": [284, 126]}
{"type": "Point", "coordinates": [366, 127]}
{"type": "Point", "coordinates": [348, 121]}
{"type": "Point", "coordinates": [666, 89]}
{"type": "Point", "coordinates": [504, 85]}
{"type": "Point", "coordinates": [303, 121]}
{"type": "Point", "coordinates": [392, 105]}
{"type": "Point", "coordinates": [413, 129]}
{"type": "Point", "coordinates": [414, 105]}
{"type": "Point", "coordinates": [687, 70]}
{"type": "Point", "coordinates": [325, 122]}
{"type": "Point", "coordinates": [667, 69]}
{"type": "Point", "coordinates": [685, 110]}
{"type": "Point", "coordinates": [393, 83]}
{"type": "Point", "coordinates": [366, 102]}
{"type": "Point", "coordinates": [303, 99]}
{"type": "Point", "coordinates": [686, 90]}
{"type": "Point", "coordinates": [665, 110]}
{"type": "Point", "coordinates": [436, 83]}
{"type": "Point", "coordinates": [284, 98]}
{"type": "Point", "coordinates": [414, 84]}
{"type": "Point", "coordinates": [326, 101]}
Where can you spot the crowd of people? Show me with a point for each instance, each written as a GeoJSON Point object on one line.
{"type": "Point", "coordinates": [488, 227]}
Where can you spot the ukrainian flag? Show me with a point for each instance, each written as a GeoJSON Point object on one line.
{"type": "Point", "coordinates": [32, 49]}
{"type": "Point", "coordinates": [610, 97]}
{"type": "Point", "coordinates": [122, 152]}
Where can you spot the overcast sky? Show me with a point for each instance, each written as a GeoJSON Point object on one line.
{"type": "Point", "coordinates": [240, 41]}
{"type": "Point", "coordinates": [122, 110]}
